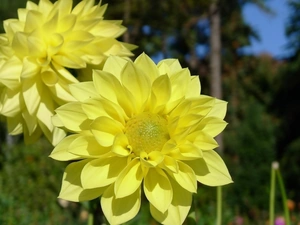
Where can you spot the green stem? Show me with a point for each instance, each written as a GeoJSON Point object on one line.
{"type": "Point", "coordinates": [219, 205]}
{"type": "Point", "coordinates": [91, 219]}
{"type": "Point", "coordinates": [284, 198]}
{"type": "Point", "coordinates": [272, 192]}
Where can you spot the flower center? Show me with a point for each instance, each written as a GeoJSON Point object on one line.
{"type": "Point", "coordinates": [147, 132]}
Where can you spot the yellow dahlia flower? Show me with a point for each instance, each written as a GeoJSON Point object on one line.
{"type": "Point", "coordinates": [35, 52]}
{"type": "Point", "coordinates": [140, 126]}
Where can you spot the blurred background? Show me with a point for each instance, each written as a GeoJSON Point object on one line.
{"type": "Point", "coordinates": [246, 52]}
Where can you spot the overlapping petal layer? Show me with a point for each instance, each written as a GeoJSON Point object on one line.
{"type": "Point", "coordinates": [37, 52]}
{"type": "Point", "coordinates": [141, 125]}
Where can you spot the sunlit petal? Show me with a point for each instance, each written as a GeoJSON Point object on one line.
{"type": "Point", "coordinates": [102, 172]}
{"type": "Point", "coordinates": [131, 177]}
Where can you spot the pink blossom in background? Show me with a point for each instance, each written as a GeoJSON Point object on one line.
{"type": "Point", "coordinates": [279, 221]}
{"type": "Point", "coordinates": [238, 220]}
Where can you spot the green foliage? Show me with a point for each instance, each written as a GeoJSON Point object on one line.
{"type": "Point", "coordinates": [29, 186]}
{"type": "Point", "coordinates": [251, 143]}
{"type": "Point", "coordinates": [286, 105]}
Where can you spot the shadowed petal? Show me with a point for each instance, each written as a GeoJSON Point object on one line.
{"type": "Point", "coordinates": [72, 189]}
{"type": "Point", "coordinates": [120, 210]}
{"type": "Point", "coordinates": [129, 180]}
{"type": "Point", "coordinates": [185, 177]}
{"type": "Point", "coordinates": [178, 209]}
{"type": "Point", "coordinates": [158, 189]}
{"type": "Point", "coordinates": [61, 153]}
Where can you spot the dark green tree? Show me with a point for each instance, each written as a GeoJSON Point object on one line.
{"type": "Point", "coordinates": [286, 104]}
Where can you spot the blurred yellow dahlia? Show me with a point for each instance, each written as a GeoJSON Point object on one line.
{"type": "Point", "coordinates": [36, 51]}
{"type": "Point", "coordinates": [137, 125]}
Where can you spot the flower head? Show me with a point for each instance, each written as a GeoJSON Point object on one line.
{"type": "Point", "coordinates": [138, 126]}
{"type": "Point", "coordinates": [36, 51]}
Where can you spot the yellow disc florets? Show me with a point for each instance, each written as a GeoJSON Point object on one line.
{"type": "Point", "coordinates": [147, 132]}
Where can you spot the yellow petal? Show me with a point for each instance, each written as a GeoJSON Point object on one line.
{"type": "Point", "coordinates": [218, 172]}
{"type": "Point", "coordinates": [185, 177]}
{"type": "Point", "coordinates": [169, 66]}
{"type": "Point", "coordinates": [45, 6]}
{"type": "Point", "coordinates": [69, 61]}
{"type": "Point", "coordinates": [31, 122]}
{"type": "Point", "coordinates": [19, 44]}
{"type": "Point", "coordinates": [170, 163]}
{"type": "Point", "coordinates": [49, 78]}
{"type": "Point", "coordinates": [179, 208]}
{"type": "Point", "coordinates": [66, 23]}
{"type": "Point", "coordinates": [45, 111]}
{"type": "Point", "coordinates": [105, 130]}
{"type": "Point", "coordinates": [115, 65]}
{"type": "Point", "coordinates": [141, 84]}
{"type": "Point", "coordinates": [129, 180]}
{"type": "Point", "coordinates": [82, 7]}
{"type": "Point", "coordinates": [14, 125]}
{"type": "Point", "coordinates": [72, 116]}
{"type": "Point", "coordinates": [84, 90]}
{"type": "Point", "coordinates": [190, 151]}
{"type": "Point", "coordinates": [108, 29]}
{"type": "Point", "coordinates": [72, 189]}
{"type": "Point", "coordinates": [30, 68]}
{"type": "Point", "coordinates": [57, 135]}
{"type": "Point", "coordinates": [202, 140]}
{"type": "Point", "coordinates": [63, 73]}
{"type": "Point", "coordinates": [52, 22]}
{"type": "Point", "coordinates": [120, 210]}
{"type": "Point", "coordinates": [56, 121]}
{"type": "Point", "coordinates": [152, 159]}
{"type": "Point", "coordinates": [10, 100]}
{"type": "Point", "coordinates": [121, 146]}
{"type": "Point", "coordinates": [199, 166]}
{"type": "Point", "coordinates": [219, 109]}
{"type": "Point", "coordinates": [10, 72]}
{"type": "Point", "coordinates": [61, 93]}
{"type": "Point", "coordinates": [61, 153]}
{"type": "Point", "coordinates": [194, 87]}
{"type": "Point", "coordinates": [212, 125]}
{"type": "Point", "coordinates": [102, 172]}
{"type": "Point", "coordinates": [158, 189]}
{"type": "Point", "coordinates": [37, 47]}
{"type": "Point", "coordinates": [77, 39]}
{"type": "Point", "coordinates": [32, 6]}
{"type": "Point", "coordinates": [160, 93]}
{"type": "Point", "coordinates": [145, 63]}
{"type": "Point", "coordinates": [94, 108]}
{"type": "Point", "coordinates": [64, 7]}
{"type": "Point", "coordinates": [33, 20]}
{"type": "Point", "coordinates": [106, 84]}
{"type": "Point", "coordinates": [87, 147]}
{"type": "Point", "coordinates": [32, 90]}
{"type": "Point", "coordinates": [179, 81]}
